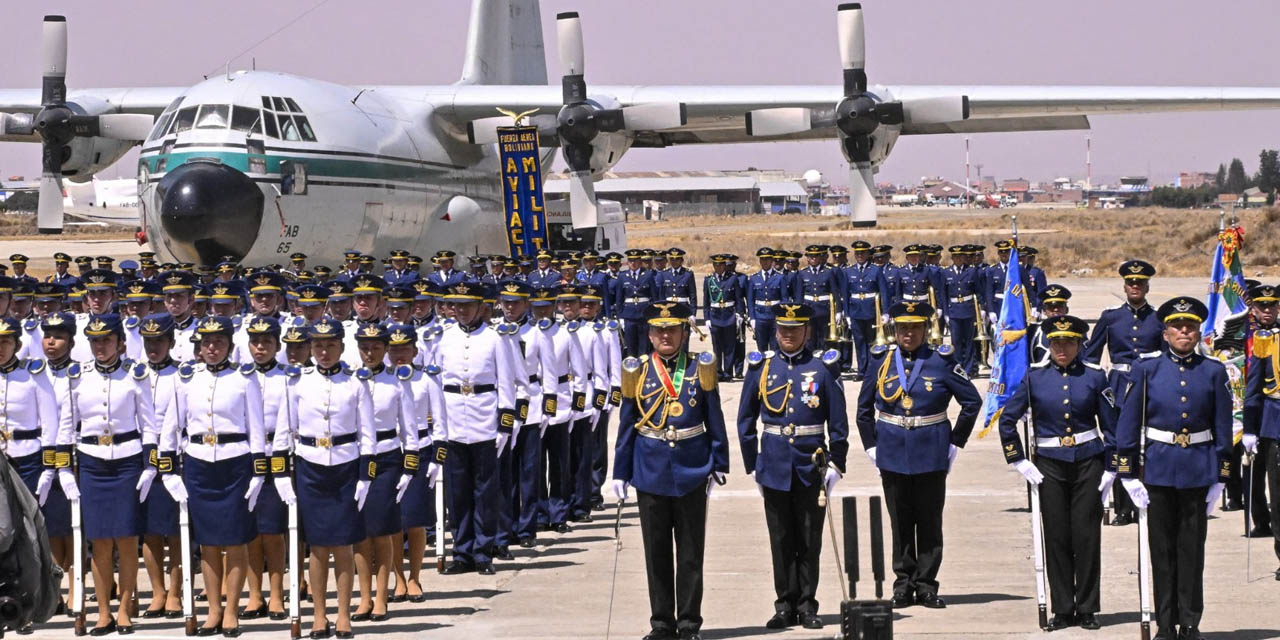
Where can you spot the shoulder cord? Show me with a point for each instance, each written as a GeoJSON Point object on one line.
{"type": "Point", "coordinates": [765, 391]}
{"type": "Point", "coordinates": [881, 380]}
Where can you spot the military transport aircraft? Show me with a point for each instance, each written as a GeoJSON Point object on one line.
{"type": "Point", "coordinates": [258, 165]}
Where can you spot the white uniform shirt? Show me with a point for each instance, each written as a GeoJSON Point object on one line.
{"type": "Point", "coordinates": [531, 345]}
{"type": "Point", "coordinates": [275, 410]}
{"type": "Point", "coordinates": [469, 360]}
{"type": "Point", "coordinates": [324, 404]}
{"type": "Point", "coordinates": [213, 402]}
{"type": "Point", "coordinates": [428, 405]}
{"type": "Point", "coordinates": [164, 383]}
{"type": "Point", "coordinates": [428, 340]}
{"type": "Point", "coordinates": [110, 401]}
{"type": "Point", "coordinates": [596, 376]}
{"type": "Point", "coordinates": [32, 335]}
{"type": "Point", "coordinates": [61, 385]}
{"type": "Point", "coordinates": [395, 424]}
{"type": "Point", "coordinates": [28, 404]}
{"type": "Point", "coordinates": [561, 356]}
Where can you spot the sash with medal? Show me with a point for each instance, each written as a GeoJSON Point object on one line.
{"type": "Point", "coordinates": [672, 387]}
{"type": "Point", "coordinates": [904, 383]}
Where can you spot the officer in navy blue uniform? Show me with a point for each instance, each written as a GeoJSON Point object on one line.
{"type": "Point", "coordinates": [817, 286]}
{"type": "Point", "coordinates": [673, 448]}
{"type": "Point", "coordinates": [445, 275]}
{"type": "Point", "coordinates": [765, 288]}
{"type": "Point", "coordinates": [798, 396]}
{"type": "Point", "coordinates": [1053, 304]}
{"type": "Point", "coordinates": [544, 276]}
{"type": "Point", "coordinates": [722, 307]}
{"type": "Point", "coordinates": [1073, 410]}
{"type": "Point", "coordinates": [1129, 332]}
{"type": "Point", "coordinates": [1033, 277]}
{"type": "Point", "coordinates": [61, 275]}
{"type": "Point", "coordinates": [866, 284]}
{"type": "Point", "coordinates": [902, 419]}
{"type": "Point", "coordinates": [633, 292]}
{"type": "Point", "coordinates": [677, 283]}
{"type": "Point", "coordinates": [959, 293]}
{"type": "Point", "coordinates": [1173, 451]}
{"type": "Point", "coordinates": [1262, 412]}
{"type": "Point", "coordinates": [994, 281]}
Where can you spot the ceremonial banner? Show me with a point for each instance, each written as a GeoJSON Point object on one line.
{"type": "Point", "coordinates": [1226, 283]}
{"type": "Point", "coordinates": [522, 190]}
{"type": "Point", "coordinates": [1012, 354]}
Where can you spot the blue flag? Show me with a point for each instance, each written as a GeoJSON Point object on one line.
{"type": "Point", "coordinates": [1012, 355]}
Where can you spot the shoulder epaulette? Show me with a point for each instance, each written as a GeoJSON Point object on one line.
{"type": "Point", "coordinates": [186, 370]}
{"type": "Point", "coordinates": [432, 370]}
{"type": "Point", "coordinates": [878, 350]}
{"type": "Point", "coordinates": [755, 358]}
{"type": "Point", "coordinates": [644, 358]}
{"type": "Point", "coordinates": [364, 373]}
{"type": "Point", "coordinates": [830, 357]}
{"type": "Point", "coordinates": [138, 371]}
{"type": "Point", "coordinates": [613, 325]}
{"type": "Point", "coordinates": [73, 370]}
{"type": "Point", "coordinates": [572, 325]}
{"type": "Point", "coordinates": [598, 326]}
{"type": "Point", "coordinates": [293, 371]}
{"type": "Point", "coordinates": [131, 322]}
{"type": "Point", "coordinates": [346, 369]}
{"type": "Point", "coordinates": [30, 324]}
{"type": "Point", "coordinates": [945, 350]}
{"type": "Point", "coordinates": [236, 321]}
{"type": "Point", "coordinates": [546, 323]}
{"type": "Point", "coordinates": [404, 372]}
{"type": "Point", "coordinates": [248, 369]}
{"type": "Point", "coordinates": [707, 375]}
{"type": "Point", "coordinates": [35, 365]}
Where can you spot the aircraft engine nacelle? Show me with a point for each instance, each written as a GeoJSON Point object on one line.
{"type": "Point", "coordinates": [607, 147]}
{"type": "Point", "coordinates": [86, 156]}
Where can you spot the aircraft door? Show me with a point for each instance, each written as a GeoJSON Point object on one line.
{"type": "Point", "coordinates": [373, 212]}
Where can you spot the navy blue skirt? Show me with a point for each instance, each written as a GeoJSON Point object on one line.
{"type": "Point", "coordinates": [109, 504]}
{"type": "Point", "coordinates": [161, 511]}
{"type": "Point", "coordinates": [215, 499]}
{"type": "Point", "coordinates": [415, 507]}
{"type": "Point", "coordinates": [327, 503]}
{"type": "Point", "coordinates": [271, 512]}
{"type": "Point", "coordinates": [381, 512]}
{"type": "Point", "coordinates": [56, 508]}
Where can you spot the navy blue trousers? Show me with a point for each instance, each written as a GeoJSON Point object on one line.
{"type": "Point", "coordinates": [581, 442]}
{"type": "Point", "coordinates": [600, 457]}
{"type": "Point", "coordinates": [723, 341]}
{"type": "Point", "coordinates": [473, 493]}
{"type": "Point", "coordinates": [863, 334]}
{"type": "Point", "coordinates": [634, 338]}
{"type": "Point", "coordinates": [558, 488]}
{"type": "Point", "coordinates": [527, 459]}
{"type": "Point", "coordinates": [962, 334]}
{"type": "Point", "coordinates": [766, 335]}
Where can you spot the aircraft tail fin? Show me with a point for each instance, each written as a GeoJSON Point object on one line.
{"type": "Point", "coordinates": [504, 44]}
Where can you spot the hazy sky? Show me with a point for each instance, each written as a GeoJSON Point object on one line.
{"type": "Point", "coordinates": [1152, 42]}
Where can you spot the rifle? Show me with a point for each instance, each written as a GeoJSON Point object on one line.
{"type": "Point", "coordinates": [440, 518]}
{"type": "Point", "coordinates": [295, 574]}
{"type": "Point", "coordinates": [1144, 553]}
{"type": "Point", "coordinates": [1037, 538]}
{"type": "Point", "coordinates": [77, 582]}
{"type": "Point", "coordinates": [188, 586]}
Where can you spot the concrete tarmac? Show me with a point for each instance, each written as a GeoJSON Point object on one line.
{"type": "Point", "coordinates": [564, 588]}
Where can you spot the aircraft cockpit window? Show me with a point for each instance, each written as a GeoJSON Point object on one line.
{"type": "Point", "coordinates": [173, 106]}
{"type": "Point", "coordinates": [304, 128]}
{"type": "Point", "coordinates": [245, 119]}
{"type": "Point", "coordinates": [288, 130]}
{"type": "Point", "coordinates": [214, 116]}
{"type": "Point", "coordinates": [279, 104]}
{"type": "Point", "coordinates": [162, 126]}
{"type": "Point", "coordinates": [186, 117]}
{"type": "Point", "coordinates": [269, 121]}
{"type": "Point", "coordinates": [293, 106]}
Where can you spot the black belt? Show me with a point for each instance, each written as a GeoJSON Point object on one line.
{"type": "Point", "coordinates": [113, 438]}
{"type": "Point", "coordinates": [423, 434]}
{"type": "Point", "coordinates": [469, 390]}
{"type": "Point", "coordinates": [386, 434]}
{"type": "Point", "coordinates": [346, 438]}
{"type": "Point", "coordinates": [533, 379]}
{"type": "Point", "coordinates": [212, 439]}
{"type": "Point", "coordinates": [563, 379]}
{"type": "Point", "coordinates": [21, 434]}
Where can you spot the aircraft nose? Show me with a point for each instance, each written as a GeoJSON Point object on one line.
{"type": "Point", "coordinates": [209, 210]}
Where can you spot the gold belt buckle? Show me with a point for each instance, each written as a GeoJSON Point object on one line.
{"type": "Point", "coordinates": [467, 388]}
{"type": "Point", "coordinates": [105, 439]}
{"type": "Point", "coordinates": [1067, 441]}
{"type": "Point", "coordinates": [1182, 440]}
{"type": "Point", "coordinates": [788, 430]}
{"type": "Point", "coordinates": [324, 442]}
{"type": "Point", "coordinates": [211, 439]}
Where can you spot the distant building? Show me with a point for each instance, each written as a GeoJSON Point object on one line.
{"type": "Point", "coordinates": [1196, 179]}
{"type": "Point", "coordinates": [1019, 188]}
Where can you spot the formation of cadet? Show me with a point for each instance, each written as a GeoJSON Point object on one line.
{"type": "Point", "coordinates": [355, 393]}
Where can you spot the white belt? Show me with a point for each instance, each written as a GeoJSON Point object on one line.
{"type": "Point", "coordinates": [672, 435]}
{"type": "Point", "coordinates": [911, 422]}
{"type": "Point", "coordinates": [915, 298]}
{"type": "Point", "coordinates": [1126, 367]}
{"type": "Point", "coordinates": [721, 305]}
{"type": "Point", "coordinates": [1120, 367]}
{"type": "Point", "coordinates": [636, 300]}
{"type": "Point", "coordinates": [862, 296]}
{"type": "Point", "coordinates": [962, 299]}
{"type": "Point", "coordinates": [795, 430]}
{"type": "Point", "coordinates": [767, 303]}
{"type": "Point", "coordinates": [822, 298]}
{"type": "Point", "coordinates": [678, 299]}
{"type": "Point", "coordinates": [1183, 440]}
{"type": "Point", "coordinates": [1073, 440]}
{"type": "Point", "coordinates": [1000, 295]}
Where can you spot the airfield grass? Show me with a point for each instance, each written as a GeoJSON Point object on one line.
{"type": "Point", "coordinates": [1079, 242]}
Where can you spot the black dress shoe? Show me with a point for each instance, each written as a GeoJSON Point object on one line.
{"type": "Point", "coordinates": [690, 635]}
{"type": "Point", "coordinates": [1165, 635]}
{"type": "Point", "coordinates": [902, 600]}
{"type": "Point", "coordinates": [810, 621]}
{"type": "Point", "coordinates": [1260, 531]}
{"type": "Point", "coordinates": [563, 528]}
{"type": "Point", "coordinates": [457, 568]}
{"type": "Point", "coordinates": [209, 631]}
{"type": "Point", "coordinates": [504, 553]}
{"type": "Point", "coordinates": [321, 634]}
{"type": "Point", "coordinates": [159, 613]}
{"type": "Point", "coordinates": [421, 597]}
{"type": "Point", "coordinates": [782, 620]}
{"type": "Point", "coordinates": [26, 629]}
{"type": "Point", "coordinates": [233, 632]}
{"type": "Point", "coordinates": [1190, 633]}
{"type": "Point", "coordinates": [582, 517]}
{"type": "Point", "coordinates": [1121, 520]}
{"type": "Point", "coordinates": [1233, 505]}
{"type": "Point", "coordinates": [174, 615]}
{"type": "Point", "coordinates": [544, 527]}
{"type": "Point", "coordinates": [344, 635]}
{"type": "Point", "coordinates": [252, 614]}
{"type": "Point", "coordinates": [361, 617]}
{"type": "Point", "coordinates": [485, 570]}
{"type": "Point", "coordinates": [931, 601]}
{"type": "Point", "coordinates": [277, 615]}
{"type": "Point", "coordinates": [527, 543]}
{"type": "Point", "coordinates": [202, 597]}
{"type": "Point", "coordinates": [379, 617]}
{"type": "Point", "coordinates": [1060, 621]}
{"type": "Point", "coordinates": [124, 630]}
{"type": "Point", "coordinates": [661, 634]}
{"type": "Point", "coordinates": [102, 631]}
{"type": "Point", "coordinates": [398, 598]}
{"type": "Point", "coordinates": [1088, 621]}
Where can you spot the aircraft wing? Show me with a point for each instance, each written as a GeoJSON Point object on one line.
{"type": "Point", "coordinates": [148, 100]}
{"type": "Point", "coordinates": [717, 114]}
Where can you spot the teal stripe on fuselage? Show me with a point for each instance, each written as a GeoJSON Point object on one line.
{"type": "Point", "coordinates": [317, 168]}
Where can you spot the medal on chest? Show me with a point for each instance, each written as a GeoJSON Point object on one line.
{"type": "Point", "coordinates": [809, 392]}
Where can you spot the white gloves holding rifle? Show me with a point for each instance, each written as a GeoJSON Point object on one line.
{"type": "Point", "coordinates": [1137, 492]}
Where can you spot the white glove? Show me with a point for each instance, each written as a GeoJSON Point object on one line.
{"type": "Point", "coordinates": [1211, 501]}
{"type": "Point", "coordinates": [1029, 471]}
{"type": "Point", "coordinates": [433, 474]}
{"type": "Point", "coordinates": [759, 487]}
{"type": "Point", "coordinates": [43, 485]}
{"type": "Point", "coordinates": [871, 453]}
{"type": "Point", "coordinates": [402, 485]}
{"type": "Point", "coordinates": [68, 482]}
{"type": "Point", "coordinates": [542, 428]}
{"type": "Point", "coordinates": [503, 439]}
{"type": "Point", "coordinates": [951, 456]}
{"type": "Point", "coordinates": [1108, 479]}
{"type": "Point", "coordinates": [178, 491]}
{"type": "Point", "coordinates": [1137, 492]}
{"type": "Point", "coordinates": [362, 492]}
{"type": "Point", "coordinates": [285, 489]}
{"type": "Point", "coordinates": [884, 318]}
{"type": "Point", "coordinates": [620, 489]}
{"type": "Point", "coordinates": [991, 315]}
{"type": "Point", "coordinates": [1250, 443]}
{"type": "Point", "coordinates": [144, 482]}
{"type": "Point", "coordinates": [829, 482]}
{"type": "Point", "coordinates": [255, 487]}
{"type": "Point", "coordinates": [714, 479]}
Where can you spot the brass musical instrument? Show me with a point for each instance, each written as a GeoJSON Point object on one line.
{"type": "Point", "coordinates": [881, 340]}
{"type": "Point", "coordinates": [935, 327]}
{"type": "Point", "coordinates": [835, 330]}
{"type": "Point", "coordinates": [983, 337]}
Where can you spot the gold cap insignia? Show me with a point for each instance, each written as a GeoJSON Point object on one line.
{"type": "Point", "coordinates": [97, 325]}
{"type": "Point", "coordinates": [911, 306]}
{"type": "Point", "coordinates": [791, 309]}
{"type": "Point", "coordinates": [363, 282]}
{"type": "Point", "coordinates": [211, 325]}
{"type": "Point", "coordinates": [263, 280]}
{"type": "Point", "coordinates": [293, 335]}
{"type": "Point", "coordinates": [1182, 306]}
{"type": "Point", "coordinates": [175, 279]}
{"type": "Point", "coordinates": [323, 327]}
{"type": "Point", "coordinates": [512, 287]}
{"type": "Point", "coordinates": [53, 320]}
{"type": "Point", "coordinates": [97, 278]}
{"type": "Point", "coordinates": [665, 309]}
{"type": "Point", "coordinates": [221, 290]}
{"type": "Point", "coordinates": [261, 326]}
{"type": "Point", "coordinates": [399, 336]}
{"type": "Point", "coordinates": [1054, 292]}
{"type": "Point", "coordinates": [151, 326]}
{"type": "Point", "coordinates": [1135, 268]}
{"type": "Point", "coordinates": [371, 331]}
{"type": "Point", "coordinates": [137, 287]}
